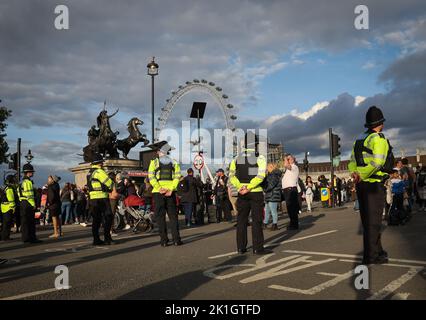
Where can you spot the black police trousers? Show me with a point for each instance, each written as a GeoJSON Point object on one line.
{"type": "Point", "coordinates": [250, 202]}
{"type": "Point", "coordinates": [28, 227]}
{"type": "Point", "coordinates": [100, 210]}
{"type": "Point", "coordinates": [7, 225]}
{"type": "Point", "coordinates": [371, 197]}
{"type": "Point", "coordinates": [163, 205]}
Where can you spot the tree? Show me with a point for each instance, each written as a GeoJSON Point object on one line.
{"type": "Point", "coordinates": [4, 148]}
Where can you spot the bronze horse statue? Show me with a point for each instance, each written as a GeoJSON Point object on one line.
{"type": "Point", "coordinates": [133, 139]}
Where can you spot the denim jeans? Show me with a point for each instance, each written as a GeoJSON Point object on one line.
{"type": "Point", "coordinates": [65, 212]}
{"type": "Point", "coordinates": [271, 208]}
{"type": "Point", "coordinates": [187, 207]}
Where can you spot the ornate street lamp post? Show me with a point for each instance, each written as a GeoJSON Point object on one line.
{"type": "Point", "coordinates": [152, 71]}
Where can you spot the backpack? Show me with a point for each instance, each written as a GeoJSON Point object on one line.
{"type": "Point", "coordinates": [422, 180]}
{"type": "Point", "coordinates": [3, 197]}
{"type": "Point", "coordinates": [183, 186]}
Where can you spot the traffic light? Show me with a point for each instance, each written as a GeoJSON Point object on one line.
{"type": "Point", "coordinates": [13, 164]}
{"type": "Point", "coordinates": [335, 146]}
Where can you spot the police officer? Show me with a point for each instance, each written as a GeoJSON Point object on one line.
{"type": "Point", "coordinates": [100, 185]}
{"type": "Point", "coordinates": [370, 160]}
{"type": "Point", "coordinates": [27, 206]}
{"type": "Point", "coordinates": [164, 174]}
{"type": "Point", "coordinates": [8, 206]}
{"type": "Point", "coordinates": [247, 173]}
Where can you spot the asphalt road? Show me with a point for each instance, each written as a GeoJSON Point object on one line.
{"type": "Point", "coordinates": [315, 262]}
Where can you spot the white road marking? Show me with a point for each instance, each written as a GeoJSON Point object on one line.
{"type": "Point", "coordinates": [396, 284]}
{"type": "Point", "coordinates": [400, 296]}
{"type": "Point", "coordinates": [275, 242]}
{"type": "Point", "coordinates": [328, 274]}
{"type": "Point", "coordinates": [30, 294]}
{"type": "Point", "coordinates": [314, 290]}
{"type": "Point", "coordinates": [75, 243]}
{"type": "Point", "coordinates": [351, 256]}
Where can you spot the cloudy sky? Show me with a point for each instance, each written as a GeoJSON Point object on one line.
{"type": "Point", "coordinates": [293, 67]}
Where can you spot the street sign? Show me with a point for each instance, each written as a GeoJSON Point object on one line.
{"type": "Point", "coordinates": [198, 162]}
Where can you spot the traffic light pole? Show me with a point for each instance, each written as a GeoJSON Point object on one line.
{"type": "Point", "coordinates": [330, 132]}
{"type": "Point", "coordinates": [18, 152]}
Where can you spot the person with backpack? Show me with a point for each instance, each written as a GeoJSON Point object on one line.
{"type": "Point", "coordinates": [8, 206]}
{"type": "Point", "coordinates": [421, 188]}
{"type": "Point", "coordinates": [272, 189]}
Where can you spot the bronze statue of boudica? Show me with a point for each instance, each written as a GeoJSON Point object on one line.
{"type": "Point", "coordinates": [104, 141]}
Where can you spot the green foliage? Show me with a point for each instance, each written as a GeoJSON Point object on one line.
{"type": "Point", "coordinates": [4, 148]}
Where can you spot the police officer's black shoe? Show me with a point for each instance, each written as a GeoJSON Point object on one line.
{"type": "Point", "coordinates": [109, 242]}
{"type": "Point", "coordinates": [36, 241]}
{"type": "Point", "coordinates": [98, 242]}
{"type": "Point", "coordinates": [242, 251]}
{"type": "Point", "coordinates": [383, 253]}
{"type": "Point", "coordinates": [262, 251]}
{"type": "Point", "coordinates": [380, 260]}
{"type": "Point", "coordinates": [178, 243]}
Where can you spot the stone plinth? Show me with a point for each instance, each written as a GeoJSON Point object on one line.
{"type": "Point", "coordinates": [118, 165]}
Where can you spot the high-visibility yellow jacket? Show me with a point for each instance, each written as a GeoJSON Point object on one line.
{"type": "Point", "coordinates": [100, 184]}
{"type": "Point", "coordinates": [159, 177]}
{"type": "Point", "coordinates": [371, 171]}
{"type": "Point", "coordinates": [10, 203]}
{"type": "Point", "coordinates": [27, 191]}
{"type": "Point", "coordinates": [254, 184]}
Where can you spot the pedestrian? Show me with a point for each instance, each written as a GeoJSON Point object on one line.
{"type": "Point", "coordinates": [114, 196]}
{"type": "Point", "coordinates": [371, 160]}
{"type": "Point", "coordinates": [343, 191]}
{"type": "Point", "coordinates": [8, 206]}
{"type": "Point", "coordinates": [81, 205]}
{"type": "Point", "coordinates": [73, 196]}
{"type": "Point", "coordinates": [272, 189]}
{"type": "Point", "coordinates": [147, 195]}
{"type": "Point", "coordinates": [247, 172]}
{"type": "Point", "coordinates": [301, 189]}
{"type": "Point", "coordinates": [54, 205]}
{"type": "Point", "coordinates": [164, 174]}
{"type": "Point", "coordinates": [100, 185]}
{"type": "Point", "coordinates": [289, 185]}
{"type": "Point", "coordinates": [27, 206]}
{"type": "Point", "coordinates": [66, 203]}
{"type": "Point", "coordinates": [421, 188]}
{"type": "Point", "coordinates": [189, 197]}
{"type": "Point", "coordinates": [408, 174]}
{"type": "Point", "coordinates": [310, 190]}
{"type": "Point", "coordinates": [220, 196]}
{"type": "Point", "coordinates": [208, 192]}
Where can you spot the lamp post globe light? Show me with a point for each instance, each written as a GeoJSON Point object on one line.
{"type": "Point", "coordinates": [152, 71]}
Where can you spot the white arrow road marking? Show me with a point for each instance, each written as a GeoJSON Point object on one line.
{"type": "Point", "coordinates": [396, 284]}
{"type": "Point", "coordinates": [351, 256]}
{"type": "Point", "coordinates": [275, 243]}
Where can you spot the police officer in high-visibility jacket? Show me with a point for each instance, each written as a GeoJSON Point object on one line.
{"type": "Point", "coordinates": [247, 173]}
{"type": "Point", "coordinates": [371, 159]}
{"type": "Point", "coordinates": [8, 206]}
{"type": "Point", "coordinates": [164, 174]}
{"type": "Point", "coordinates": [100, 185]}
{"type": "Point", "coordinates": [27, 206]}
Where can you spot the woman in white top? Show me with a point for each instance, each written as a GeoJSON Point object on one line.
{"type": "Point", "coordinates": [310, 188]}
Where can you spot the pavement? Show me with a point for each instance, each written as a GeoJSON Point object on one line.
{"type": "Point", "coordinates": [319, 261]}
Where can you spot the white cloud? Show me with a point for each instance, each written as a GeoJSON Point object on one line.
{"type": "Point", "coordinates": [368, 65]}
{"type": "Point", "coordinates": [359, 100]}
